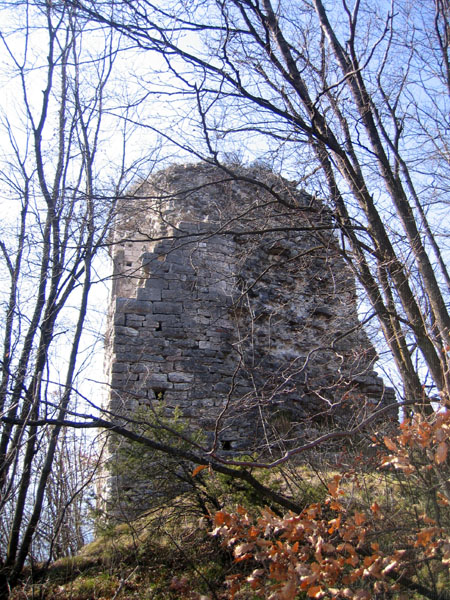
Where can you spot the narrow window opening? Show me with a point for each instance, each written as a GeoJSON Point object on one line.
{"type": "Point", "coordinates": [226, 444]}
{"type": "Point", "coordinates": [129, 264]}
{"type": "Point", "coordinates": [159, 393]}
{"type": "Point", "coordinates": [158, 327]}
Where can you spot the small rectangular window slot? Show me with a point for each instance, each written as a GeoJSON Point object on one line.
{"type": "Point", "coordinates": [159, 393]}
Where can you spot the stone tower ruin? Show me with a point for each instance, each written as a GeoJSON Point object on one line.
{"type": "Point", "coordinates": [232, 305]}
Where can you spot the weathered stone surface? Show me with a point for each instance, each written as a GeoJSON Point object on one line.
{"type": "Point", "coordinates": [154, 294]}
{"type": "Point", "coordinates": [261, 320]}
{"type": "Point", "coordinates": [177, 377]}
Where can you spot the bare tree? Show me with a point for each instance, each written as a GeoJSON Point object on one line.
{"type": "Point", "coordinates": [66, 523]}
{"type": "Point", "coordinates": [57, 206]}
{"type": "Point", "coordinates": [339, 95]}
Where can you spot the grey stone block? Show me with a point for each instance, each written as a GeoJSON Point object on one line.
{"type": "Point", "coordinates": [172, 294]}
{"type": "Point", "coordinates": [149, 293]}
{"type": "Point", "coordinates": [119, 318]}
{"type": "Point", "coordinates": [156, 283]}
{"type": "Point", "coordinates": [155, 379]}
{"type": "Point", "coordinates": [126, 331]}
{"type": "Point", "coordinates": [179, 377]}
{"type": "Point", "coordinates": [131, 305]}
{"type": "Point", "coordinates": [170, 308]}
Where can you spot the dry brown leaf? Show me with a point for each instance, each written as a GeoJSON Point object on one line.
{"type": "Point", "coordinates": [441, 453]}
{"type": "Point", "coordinates": [197, 470]}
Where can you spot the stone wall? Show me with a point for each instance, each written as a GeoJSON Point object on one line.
{"type": "Point", "coordinates": [231, 304]}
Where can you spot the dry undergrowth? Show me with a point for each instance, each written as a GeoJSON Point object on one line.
{"type": "Point", "coordinates": [373, 527]}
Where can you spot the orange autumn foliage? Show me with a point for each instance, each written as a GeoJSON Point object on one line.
{"type": "Point", "coordinates": [336, 550]}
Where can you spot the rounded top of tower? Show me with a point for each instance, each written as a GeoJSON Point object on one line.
{"type": "Point", "coordinates": [244, 197]}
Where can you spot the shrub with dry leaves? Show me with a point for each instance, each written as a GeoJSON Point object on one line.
{"type": "Point", "coordinates": [356, 547]}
